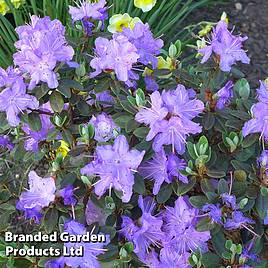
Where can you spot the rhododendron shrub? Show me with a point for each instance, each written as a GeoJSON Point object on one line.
{"type": "Point", "coordinates": [116, 133]}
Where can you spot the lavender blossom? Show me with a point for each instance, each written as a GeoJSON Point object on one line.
{"type": "Point", "coordinates": [142, 38]}
{"type": "Point", "coordinates": [104, 98]}
{"type": "Point", "coordinates": [67, 193]}
{"type": "Point", "coordinates": [35, 137]}
{"type": "Point", "coordinates": [94, 214]}
{"type": "Point", "coordinates": [105, 128]}
{"type": "Point", "coordinates": [229, 200]}
{"type": "Point", "coordinates": [237, 221]}
{"type": "Point", "coordinates": [181, 235]}
{"type": "Point", "coordinates": [42, 46]}
{"type": "Point", "coordinates": [91, 250]}
{"type": "Point", "coordinates": [40, 194]}
{"type": "Point", "coordinates": [227, 46]}
{"type": "Point", "coordinates": [116, 55]}
{"type": "Point", "coordinates": [258, 122]}
{"type": "Point", "coordinates": [114, 164]}
{"type": "Point", "coordinates": [162, 168]}
{"type": "Point", "coordinates": [88, 12]}
{"type": "Point", "coordinates": [14, 99]}
{"type": "Point", "coordinates": [224, 95]}
{"type": "Point", "coordinates": [150, 83]}
{"type": "Point", "coordinates": [5, 142]}
{"type": "Point", "coordinates": [149, 230]}
{"type": "Point", "coordinates": [214, 212]}
{"type": "Point", "coordinates": [170, 117]}
{"type": "Point", "coordinates": [262, 92]}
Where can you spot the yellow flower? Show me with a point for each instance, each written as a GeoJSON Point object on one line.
{"type": "Point", "coordinates": [165, 63]}
{"type": "Point", "coordinates": [119, 21]}
{"type": "Point", "coordinates": [63, 149]}
{"type": "Point", "coordinates": [266, 81]}
{"type": "Point", "coordinates": [145, 5]}
{"type": "Point", "coordinates": [3, 7]}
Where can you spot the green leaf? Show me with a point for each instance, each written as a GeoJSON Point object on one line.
{"type": "Point", "coordinates": [164, 193]}
{"type": "Point", "coordinates": [56, 101]}
{"type": "Point", "coordinates": [141, 132]}
{"type": "Point", "coordinates": [34, 121]}
{"type": "Point", "coordinates": [262, 205]}
{"type": "Point", "coordinates": [182, 188]}
{"type": "Point", "coordinates": [198, 201]}
{"type": "Point", "coordinates": [139, 185]}
{"type": "Point", "coordinates": [211, 260]}
{"type": "Point", "coordinates": [223, 186]}
{"type": "Point", "coordinates": [50, 220]}
{"type": "Point", "coordinates": [140, 98]}
{"type": "Point", "coordinates": [216, 173]}
{"type": "Point", "coordinates": [204, 225]}
{"type": "Point", "coordinates": [242, 88]}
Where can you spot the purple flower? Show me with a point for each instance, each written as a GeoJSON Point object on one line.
{"type": "Point", "coordinates": [262, 92]}
{"type": "Point", "coordinates": [55, 263]}
{"type": "Point", "coordinates": [41, 46]}
{"type": "Point", "coordinates": [128, 228]}
{"type": "Point", "coordinates": [229, 201]}
{"type": "Point", "coordinates": [88, 12]}
{"type": "Point", "coordinates": [162, 168]}
{"type": "Point", "coordinates": [181, 236]}
{"type": "Point", "coordinates": [174, 132]}
{"type": "Point", "coordinates": [237, 221]}
{"type": "Point", "coordinates": [115, 164]}
{"type": "Point", "coordinates": [95, 214]}
{"type": "Point", "coordinates": [142, 38]}
{"type": "Point", "coordinates": [34, 137]}
{"type": "Point", "coordinates": [265, 221]}
{"type": "Point", "coordinates": [259, 121]}
{"type": "Point", "coordinates": [116, 55]}
{"type": "Point", "coordinates": [172, 261]}
{"type": "Point", "coordinates": [5, 142]}
{"type": "Point", "coordinates": [149, 230]}
{"type": "Point", "coordinates": [157, 112]}
{"type": "Point", "coordinates": [170, 117]}
{"type": "Point", "coordinates": [214, 212]}
{"type": "Point", "coordinates": [150, 83]}
{"type": "Point", "coordinates": [224, 95]}
{"type": "Point", "coordinates": [227, 46]}
{"type": "Point", "coordinates": [105, 128]}
{"type": "Point", "coordinates": [262, 160]}
{"type": "Point", "coordinates": [180, 102]}
{"type": "Point", "coordinates": [14, 99]}
{"type": "Point", "coordinates": [67, 193]}
{"type": "Point", "coordinates": [103, 98]}
{"type": "Point", "coordinates": [91, 250]}
{"type": "Point", "coordinates": [40, 194]}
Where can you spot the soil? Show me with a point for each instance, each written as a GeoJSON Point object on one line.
{"type": "Point", "coordinates": [250, 18]}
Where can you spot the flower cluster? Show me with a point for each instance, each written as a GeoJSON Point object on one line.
{"type": "Point", "coordinates": [116, 55]}
{"type": "Point", "coordinates": [231, 218]}
{"type": "Point", "coordinates": [173, 231]}
{"type": "Point", "coordinates": [170, 118]}
{"type": "Point", "coordinates": [115, 165]}
{"type": "Point", "coordinates": [105, 128]}
{"type": "Point", "coordinates": [88, 12]}
{"type": "Point", "coordinates": [163, 168]}
{"type": "Point", "coordinates": [41, 46]}
{"type": "Point", "coordinates": [226, 46]}
{"type": "Point", "coordinates": [13, 98]}
{"type": "Point", "coordinates": [40, 195]}
{"type": "Point", "coordinates": [259, 112]}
